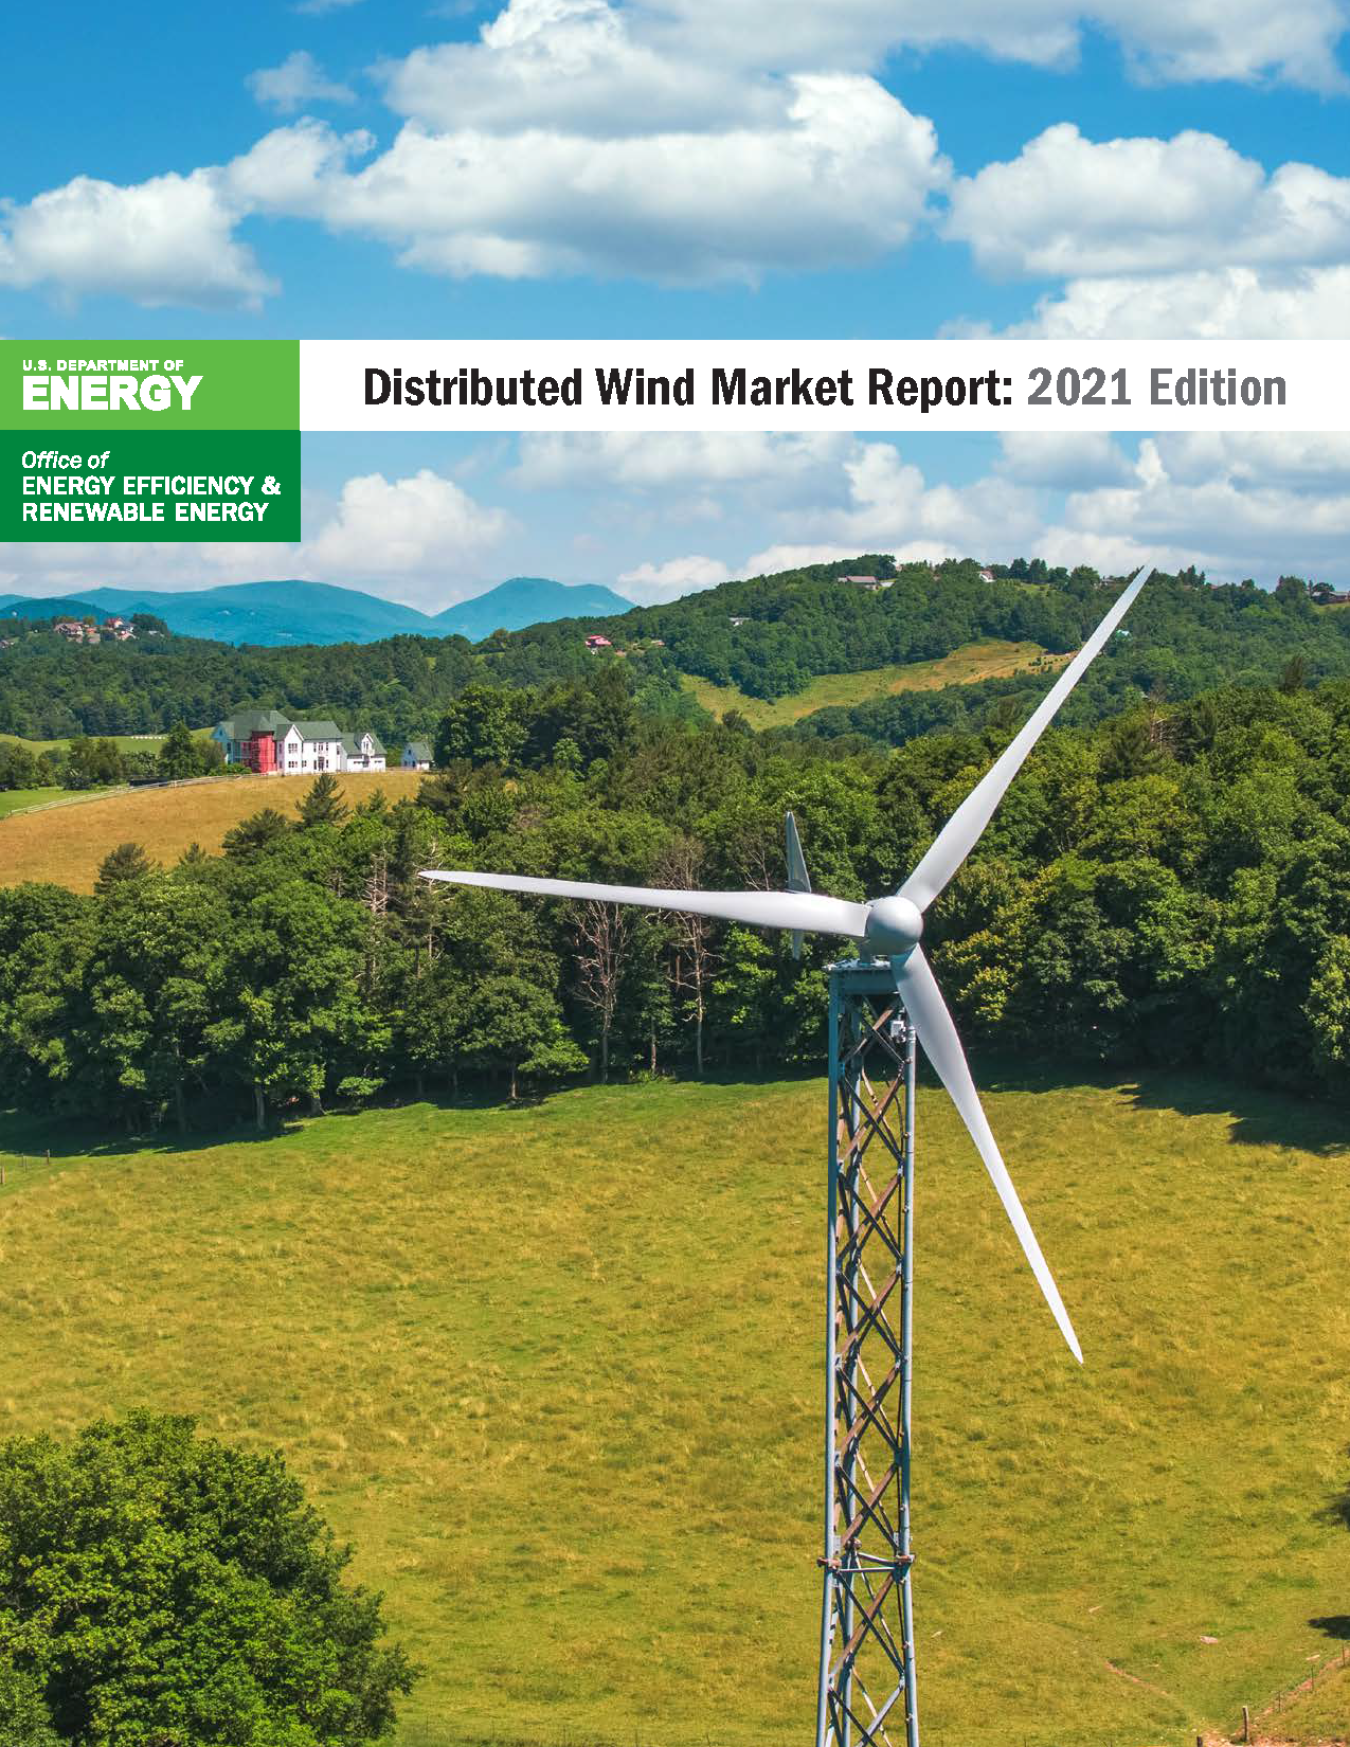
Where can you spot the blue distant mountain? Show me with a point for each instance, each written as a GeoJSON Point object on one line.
{"type": "Point", "coordinates": [276, 613]}
{"type": "Point", "coordinates": [528, 600]}
{"type": "Point", "coordinates": [57, 606]}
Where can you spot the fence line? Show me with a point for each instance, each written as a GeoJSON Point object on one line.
{"type": "Point", "coordinates": [1305, 1683]}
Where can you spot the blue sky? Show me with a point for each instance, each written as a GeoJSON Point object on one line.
{"type": "Point", "coordinates": [692, 168]}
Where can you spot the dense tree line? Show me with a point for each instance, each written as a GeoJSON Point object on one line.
{"type": "Point", "coordinates": [1184, 636]}
{"type": "Point", "coordinates": [87, 763]}
{"type": "Point", "coordinates": [50, 689]}
{"type": "Point", "coordinates": [1171, 884]}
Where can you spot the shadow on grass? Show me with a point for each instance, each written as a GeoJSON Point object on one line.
{"type": "Point", "coordinates": [1258, 1116]}
{"type": "Point", "coordinates": [37, 1139]}
{"type": "Point", "coordinates": [1334, 1625]}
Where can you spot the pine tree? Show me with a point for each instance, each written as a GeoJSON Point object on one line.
{"type": "Point", "coordinates": [178, 756]}
{"type": "Point", "coordinates": [125, 863]}
{"type": "Point", "coordinates": [323, 805]}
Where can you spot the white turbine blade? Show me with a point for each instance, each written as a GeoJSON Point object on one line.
{"type": "Point", "coordinates": [963, 830]}
{"type": "Point", "coordinates": [811, 911]}
{"type": "Point", "coordinates": [798, 878]}
{"type": "Point", "coordinates": [937, 1033]}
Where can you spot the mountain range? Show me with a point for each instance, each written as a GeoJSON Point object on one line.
{"type": "Point", "coordinates": [290, 612]}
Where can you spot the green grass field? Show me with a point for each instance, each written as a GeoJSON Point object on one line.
{"type": "Point", "coordinates": [555, 1369]}
{"type": "Point", "coordinates": [123, 742]}
{"type": "Point", "coordinates": [990, 659]}
{"type": "Point", "coordinates": [16, 800]}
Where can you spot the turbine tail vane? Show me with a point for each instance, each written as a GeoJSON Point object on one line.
{"type": "Point", "coordinates": [966, 826]}
{"type": "Point", "coordinates": [941, 1044]}
{"type": "Point", "coordinates": [798, 878]}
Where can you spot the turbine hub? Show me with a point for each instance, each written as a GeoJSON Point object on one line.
{"type": "Point", "coordinates": [894, 926]}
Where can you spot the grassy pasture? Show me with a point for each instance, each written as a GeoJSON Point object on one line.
{"type": "Point", "coordinates": [67, 843]}
{"type": "Point", "coordinates": [555, 1369]}
{"type": "Point", "coordinates": [991, 659]}
{"type": "Point", "coordinates": [15, 800]}
{"type": "Point", "coordinates": [123, 742]}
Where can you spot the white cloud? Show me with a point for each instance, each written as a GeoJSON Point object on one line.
{"type": "Point", "coordinates": [1068, 207]}
{"type": "Point", "coordinates": [171, 239]}
{"type": "Point", "coordinates": [1233, 504]}
{"type": "Point", "coordinates": [287, 170]}
{"type": "Point", "coordinates": [1214, 505]}
{"type": "Point", "coordinates": [649, 583]}
{"type": "Point", "coordinates": [573, 66]}
{"type": "Point", "coordinates": [424, 530]}
{"type": "Point", "coordinates": [1063, 460]}
{"type": "Point", "coordinates": [577, 136]}
{"type": "Point", "coordinates": [1308, 303]}
{"type": "Point", "coordinates": [1316, 461]}
{"type": "Point", "coordinates": [798, 191]}
{"type": "Point", "coordinates": [168, 240]}
{"type": "Point", "coordinates": [1244, 40]}
{"type": "Point", "coordinates": [789, 557]}
{"type": "Point", "coordinates": [780, 462]}
{"type": "Point", "coordinates": [297, 81]}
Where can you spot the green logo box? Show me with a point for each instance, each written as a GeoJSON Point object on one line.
{"type": "Point", "coordinates": [149, 440]}
{"type": "Point", "coordinates": [150, 485]}
{"type": "Point", "coordinates": [149, 385]}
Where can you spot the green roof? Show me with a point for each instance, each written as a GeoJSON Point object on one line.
{"type": "Point", "coordinates": [248, 722]}
{"type": "Point", "coordinates": [419, 750]}
{"type": "Point", "coordinates": [317, 730]}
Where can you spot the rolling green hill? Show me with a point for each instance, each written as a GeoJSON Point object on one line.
{"type": "Point", "coordinates": [772, 639]}
{"type": "Point", "coordinates": [555, 1370]}
{"type": "Point", "coordinates": [989, 659]}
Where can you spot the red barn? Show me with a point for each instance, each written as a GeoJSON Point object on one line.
{"type": "Point", "coordinates": [260, 752]}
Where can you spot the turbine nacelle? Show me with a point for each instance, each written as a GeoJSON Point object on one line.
{"type": "Point", "coordinates": [894, 927]}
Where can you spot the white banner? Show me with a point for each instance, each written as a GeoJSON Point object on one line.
{"type": "Point", "coordinates": [824, 385]}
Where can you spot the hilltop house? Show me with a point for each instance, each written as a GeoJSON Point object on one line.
{"type": "Point", "coordinates": [596, 641]}
{"type": "Point", "coordinates": [77, 631]}
{"type": "Point", "coordinates": [272, 744]}
{"type": "Point", "coordinates": [416, 755]}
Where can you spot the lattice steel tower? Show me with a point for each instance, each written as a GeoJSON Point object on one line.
{"type": "Point", "coordinates": [867, 1693]}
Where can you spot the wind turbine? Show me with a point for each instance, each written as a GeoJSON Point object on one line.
{"type": "Point", "coordinates": [879, 1003]}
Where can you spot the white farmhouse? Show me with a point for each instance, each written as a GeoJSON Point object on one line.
{"type": "Point", "coordinates": [416, 755]}
{"type": "Point", "coordinates": [362, 752]}
{"type": "Point", "coordinates": [310, 746]}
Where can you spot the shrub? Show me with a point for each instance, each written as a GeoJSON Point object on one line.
{"type": "Point", "coordinates": [158, 1589]}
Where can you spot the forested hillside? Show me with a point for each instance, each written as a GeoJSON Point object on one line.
{"type": "Point", "coordinates": [1171, 884]}
{"type": "Point", "coordinates": [1183, 636]}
